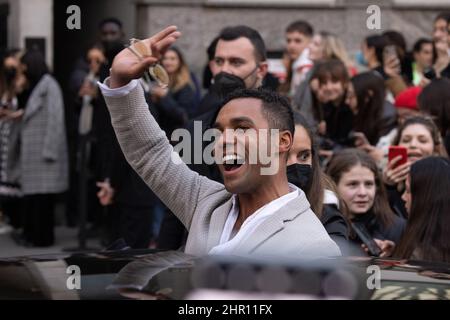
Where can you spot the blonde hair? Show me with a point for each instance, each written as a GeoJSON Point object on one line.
{"type": "Point", "coordinates": [182, 75]}
{"type": "Point", "coordinates": [333, 48]}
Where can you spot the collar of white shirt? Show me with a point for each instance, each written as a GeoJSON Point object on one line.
{"type": "Point", "coordinates": [227, 245]}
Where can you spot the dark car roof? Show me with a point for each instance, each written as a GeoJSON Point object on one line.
{"type": "Point", "coordinates": [175, 275]}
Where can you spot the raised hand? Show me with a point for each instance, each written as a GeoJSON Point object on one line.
{"type": "Point", "coordinates": [392, 66]}
{"type": "Point", "coordinates": [106, 193]}
{"type": "Point", "coordinates": [127, 66]}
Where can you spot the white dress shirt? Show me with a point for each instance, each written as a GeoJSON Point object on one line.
{"type": "Point", "coordinates": [227, 245]}
{"type": "Point", "coordinates": [117, 92]}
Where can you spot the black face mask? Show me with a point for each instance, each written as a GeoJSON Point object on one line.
{"type": "Point", "coordinates": [225, 83]}
{"type": "Point", "coordinates": [112, 48]}
{"type": "Point", "coordinates": [10, 74]}
{"type": "Point", "coordinates": [300, 175]}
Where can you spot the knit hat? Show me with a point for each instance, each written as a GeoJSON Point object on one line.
{"type": "Point", "coordinates": [408, 98]}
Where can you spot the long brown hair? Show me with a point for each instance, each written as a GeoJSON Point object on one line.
{"type": "Point", "coordinates": [370, 94]}
{"type": "Point", "coordinates": [315, 193]}
{"type": "Point", "coordinates": [344, 161]}
{"type": "Point", "coordinates": [319, 179]}
{"type": "Point", "coordinates": [182, 75]}
{"type": "Point", "coordinates": [332, 69]}
{"type": "Point", "coordinates": [334, 48]}
{"type": "Point", "coordinates": [427, 232]}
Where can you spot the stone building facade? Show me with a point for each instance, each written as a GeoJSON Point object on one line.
{"type": "Point", "coordinates": [201, 20]}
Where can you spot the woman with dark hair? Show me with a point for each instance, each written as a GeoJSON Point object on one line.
{"type": "Point", "coordinates": [372, 50]}
{"type": "Point", "coordinates": [366, 98]}
{"type": "Point", "coordinates": [435, 101]}
{"type": "Point", "coordinates": [323, 46]}
{"type": "Point", "coordinates": [428, 203]}
{"type": "Point", "coordinates": [329, 83]}
{"type": "Point", "coordinates": [305, 172]}
{"type": "Point", "coordinates": [387, 64]}
{"type": "Point", "coordinates": [177, 103]}
{"type": "Point", "coordinates": [420, 136]}
{"type": "Point", "coordinates": [43, 153]}
{"type": "Point", "coordinates": [360, 186]}
{"type": "Point", "coordinates": [426, 236]}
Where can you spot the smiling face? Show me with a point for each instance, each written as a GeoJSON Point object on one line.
{"type": "Point", "coordinates": [236, 121]}
{"type": "Point", "coordinates": [332, 90]}
{"type": "Point", "coordinates": [237, 57]}
{"type": "Point", "coordinates": [171, 62]}
{"type": "Point", "coordinates": [301, 148]}
{"type": "Point", "coordinates": [357, 188]}
{"type": "Point", "coordinates": [418, 141]}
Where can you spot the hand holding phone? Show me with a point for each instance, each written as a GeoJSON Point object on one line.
{"type": "Point", "coordinates": [391, 61]}
{"type": "Point", "coordinates": [364, 235]}
{"type": "Point", "coordinates": [398, 167]}
{"type": "Point", "coordinates": [395, 151]}
{"type": "Point", "coordinates": [389, 52]}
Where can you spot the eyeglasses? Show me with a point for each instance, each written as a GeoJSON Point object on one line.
{"type": "Point", "coordinates": [157, 72]}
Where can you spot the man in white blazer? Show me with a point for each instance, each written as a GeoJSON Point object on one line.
{"type": "Point", "coordinates": [252, 213]}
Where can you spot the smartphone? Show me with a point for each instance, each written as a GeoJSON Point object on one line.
{"type": "Point", "coordinates": [389, 51]}
{"type": "Point", "coordinates": [395, 151]}
{"type": "Point", "coordinates": [364, 235]}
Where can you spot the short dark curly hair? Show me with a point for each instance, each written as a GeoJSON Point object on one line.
{"type": "Point", "coordinates": [275, 107]}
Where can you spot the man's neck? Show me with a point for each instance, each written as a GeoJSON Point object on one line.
{"type": "Point", "coordinates": [249, 203]}
{"type": "Point", "coordinates": [442, 62]}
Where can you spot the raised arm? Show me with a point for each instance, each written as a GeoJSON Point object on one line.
{"type": "Point", "coordinates": [143, 143]}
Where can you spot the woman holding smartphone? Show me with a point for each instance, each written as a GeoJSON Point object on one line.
{"type": "Point", "coordinates": [421, 138]}
{"type": "Point", "coordinates": [426, 235]}
{"type": "Point", "coordinates": [359, 185]}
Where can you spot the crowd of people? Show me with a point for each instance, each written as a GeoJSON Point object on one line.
{"type": "Point", "coordinates": [363, 145]}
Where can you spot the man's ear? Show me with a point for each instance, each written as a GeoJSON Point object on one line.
{"type": "Point", "coordinates": [286, 141]}
{"type": "Point", "coordinates": [262, 69]}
